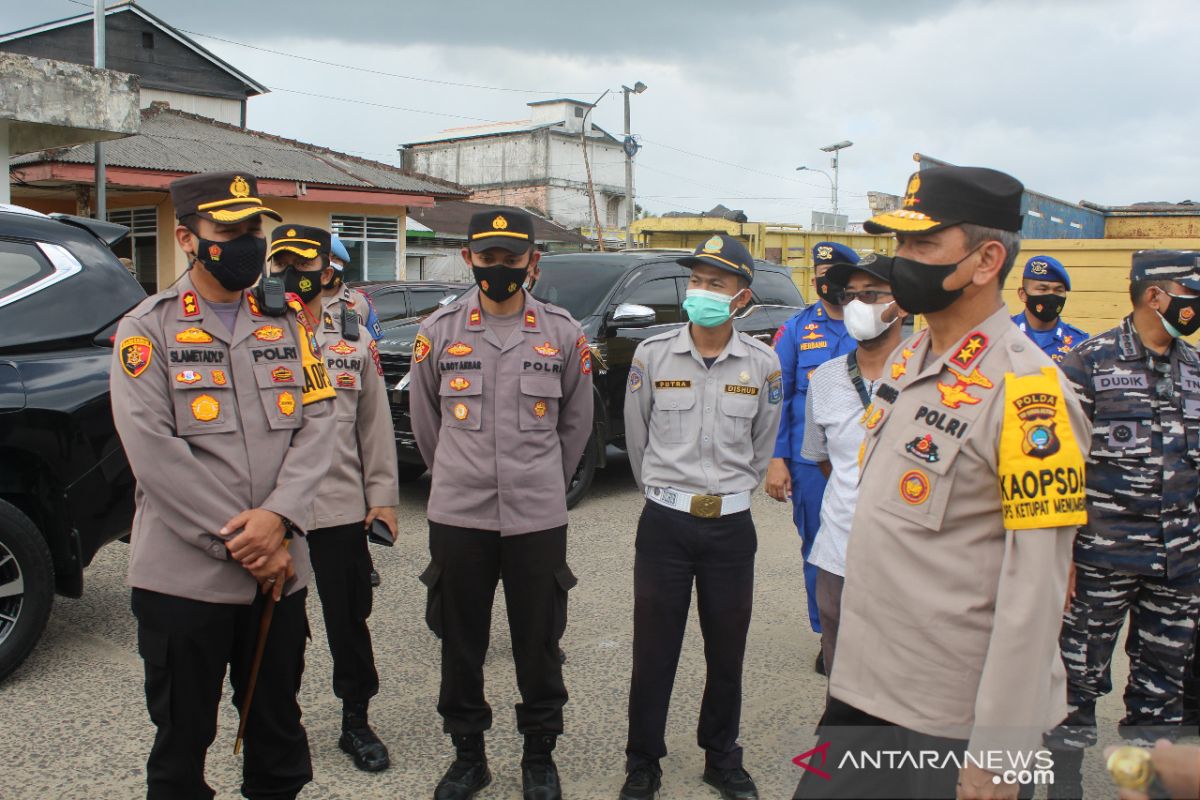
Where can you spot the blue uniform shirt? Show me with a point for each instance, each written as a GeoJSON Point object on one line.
{"type": "Point", "coordinates": [803, 343]}
{"type": "Point", "coordinates": [1056, 342]}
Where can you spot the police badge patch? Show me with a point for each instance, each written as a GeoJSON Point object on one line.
{"type": "Point", "coordinates": [136, 352]}
{"type": "Point", "coordinates": [775, 388]}
{"type": "Point", "coordinates": [421, 348]}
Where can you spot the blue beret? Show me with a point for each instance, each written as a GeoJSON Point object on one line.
{"type": "Point", "coordinates": [1046, 268]}
{"type": "Point", "coordinates": [338, 250]}
{"type": "Point", "coordinates": [833, 253]}
{"type": "Point", "coordinates": [1182, 266]}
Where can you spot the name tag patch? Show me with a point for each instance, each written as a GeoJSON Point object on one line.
{"type": "Point", "coordinates": [1106, 383]}
{"type": "Point", "coordinates": [672, 384]}
{"type": "Point", "coordinates": [731, 388]}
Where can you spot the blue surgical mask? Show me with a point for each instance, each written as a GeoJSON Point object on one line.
{"type": "Point", "coordinates": [707, 309]}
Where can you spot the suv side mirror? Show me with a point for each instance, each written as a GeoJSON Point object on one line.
{"type": "Point", "coordinates": [632, 315]}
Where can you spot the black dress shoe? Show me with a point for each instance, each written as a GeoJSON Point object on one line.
{"type": "Point", "coordinates": [374, 577]}
{"type": "Point", "coordinates": [370, 754]}
{"type": "Point", "coordinates": [463, 780]}
{"type": "Point", "coordinates": [820, 665]}
{"type": "Point", "coordinates": [642, 783]}
{"type": "Point", "coordinates": [539, 781]}
{"type": "Point", "coordinates": [733, 784]}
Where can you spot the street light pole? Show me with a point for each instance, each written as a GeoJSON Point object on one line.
{"type": "Point", "coordinates": [832, 183]}
{"type": "Point", "coordinates": [631, 148]}
{"type": "Point", "coordinates": [836, 149]}
{"type": "Point", "coordinates": [98, 62]}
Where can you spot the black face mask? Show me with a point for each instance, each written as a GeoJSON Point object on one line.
{"type": "Point", "coordinates": [1182, 314]}
{"type": "Point", "coordinates": [305, 284]}
{"type": "Point", "coordinates": [917, 286]}
{"type": "Point", "coordinates": [499, 282]}
{"type": "Point", "coordinates": [1046, 307]}
{"type": "Point", "coordinates": [236, 264]}
{"type": "Point", "coordinates": [827, 291]}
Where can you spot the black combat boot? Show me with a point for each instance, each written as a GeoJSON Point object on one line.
{"type": "Point", "coordinates": [469, 773]}
{"type": "Point", "coordinates": [539, 776]}
{"type": "Point", "coordinates": [1068, 775]}
{"type": "Point", "coordinates": [360, 741]}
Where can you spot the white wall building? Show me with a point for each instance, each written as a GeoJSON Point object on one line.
{"type": "Point", "coordinates": [535, 163]}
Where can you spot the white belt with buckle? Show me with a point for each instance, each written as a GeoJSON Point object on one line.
{"type": "Point", "coordinates": [708, 506]}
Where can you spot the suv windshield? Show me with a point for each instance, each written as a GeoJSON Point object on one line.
{"type": "Point", "coordinates": [577, 284]}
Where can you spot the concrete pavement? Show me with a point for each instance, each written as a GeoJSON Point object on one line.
{"type": "Point", "coordinates": [73, 722]}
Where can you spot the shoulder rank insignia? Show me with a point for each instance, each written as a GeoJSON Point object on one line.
{"type": "Point", "coordinates": [421, 348]}
{"type": "Point", "coordinates": [193, 336]}
{"type": "Point", "coordinates": [546, 349]}
{"type": "Point", "coordinates": [252, 301]}
{"type": "Point", "coordinates": [136, 352]}
{"type": "Point", "coordinates": [269, 333]}
{"type": "Point", "coordinates": [530, 319]}
{"type": "Point", "coordinates": [191, 306]}
{"type": "Point", "coordinates": [475, 317]}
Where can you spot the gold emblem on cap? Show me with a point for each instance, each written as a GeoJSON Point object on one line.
{"type": "Point", "coordinates": [713, 245]}
{"type": "Point", "coordinates": [499, 223]}
{"type": "Point", "coordinates": [240, 187]}
{"type": "Point", "coordinates": [291, 232]}
{"type": "Point", "coordinates": [910, 194]}
{"type": "Point", "coordinates": [824, 252]}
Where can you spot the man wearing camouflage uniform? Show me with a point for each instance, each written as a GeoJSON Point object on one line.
{"type": "Point", "coordinates": [1139, 553]}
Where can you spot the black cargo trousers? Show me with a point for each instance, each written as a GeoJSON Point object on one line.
{"type": "Point", "coordinates": [342, 568]}
{"type": "Point", "coordinates": [465, 567]}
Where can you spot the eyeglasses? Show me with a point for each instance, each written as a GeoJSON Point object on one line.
{"type": "Point", "coordinates": [1164, 387]}
{"type": "Point", "coordinates": [868, 296]}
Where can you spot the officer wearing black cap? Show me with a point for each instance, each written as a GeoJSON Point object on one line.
{"type": "Point", "coordinates": [1139, 554]}
{"type": "Point", "coordinates": [227, 417]}
{"type": "Point", "coordinates": [361, 484]}
{"type": "Point", "coordinates": [702, 408]}
{"type": "Point", "coordinates": [501, 404]}
{"type": "Point", "coordinates": [1044, 287]}
{"type": "Point", "coordinates": [958, 558]}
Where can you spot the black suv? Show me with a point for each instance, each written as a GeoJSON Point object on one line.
{"type": "Point", "coordinates": [619, 299]}
{"type": "Point", "coordinates": [397, 300]}
{"type": "Point", "coordinates": [65, 486]}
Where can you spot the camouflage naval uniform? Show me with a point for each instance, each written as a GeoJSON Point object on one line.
{"type": "Point", "coordinates": [1139, 552]}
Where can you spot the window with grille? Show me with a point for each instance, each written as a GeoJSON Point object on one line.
{"type": "Point", "coordinates": [373, 244]}
{"type": "Point", "coordinates": [141, 247]}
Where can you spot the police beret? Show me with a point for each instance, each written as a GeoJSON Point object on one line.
{"type": "Point", "coordinates": [1047, 268]}
{"type": "Point", "coordinates": [305, 241]}
{"type": "Point", "coordinates": [1182, 266]}
{"type": "Point", "coordinates": [338, 251]}
{"type": "Point", "coordinates": [506, 228]}
{"type": "Point", "coordinates": [723, 252]}
{"type": "Point", "coordinates": [833, 253]}
{"type": "Point", "coordinates": [940, 197]}
{"type": "Point", "coordinates": [224, 197]}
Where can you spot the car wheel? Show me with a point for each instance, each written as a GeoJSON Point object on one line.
{"type": "Point", "coordinates": [408, 473]}
{"type": "Point", "coordinates": [581, 481]}
{"type": "Point", "coordinates": [26, 587]}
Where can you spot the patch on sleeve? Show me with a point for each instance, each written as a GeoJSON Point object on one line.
{"type": "Point", "coordinates": [136, 352]}
{"type": "Point", "coordinates": [775, 387]}
{"type": "Point", "coordinates": [421, 348]}
{"type": "Point", "coordinates": [636, 376]}
{"type": "Point", "coordinates": [778, 335]}
{"type": "Point", "coordinates": [1041, 469]}
{"type": "Point", "coordinates": [374, 349]}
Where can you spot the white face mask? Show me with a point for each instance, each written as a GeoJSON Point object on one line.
{"type": "Point", "coordinates": [865, 322]}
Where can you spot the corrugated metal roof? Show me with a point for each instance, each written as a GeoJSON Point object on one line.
{"type": "Point", "coordinates": [175, 141]}
{"type": "Point", "coordinates": [450, 219]}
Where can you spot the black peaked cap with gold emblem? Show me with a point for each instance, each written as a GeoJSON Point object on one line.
{"type": "Point", "coordinates": [224, 197]}
{"type": "Point", "coordinates": [305, 241]}
{"type": "Point", "coordinates": [511, 230]}
{"type": "Point", "coordinates": [940, 197]}
{"type": "Point", "coordinates": [723, 252]}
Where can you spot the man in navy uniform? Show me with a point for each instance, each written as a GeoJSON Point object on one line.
{"type": "Point", "coordinates": [1043, 290]}
{"type": "Point", "coordinates": [803, 343]}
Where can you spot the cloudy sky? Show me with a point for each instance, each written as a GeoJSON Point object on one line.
{"type": "Point", "coordinates": [1080, 99]}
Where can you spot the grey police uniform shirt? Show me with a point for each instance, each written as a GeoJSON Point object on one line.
{"type": "Point", "coordinates": [213, 424]}
{"type": "Point", "coordinates": [362, 471]}
{"type": "Point", "coordinates": [698, 429]}
{"type": "Point", "coordinates": [502, 425]}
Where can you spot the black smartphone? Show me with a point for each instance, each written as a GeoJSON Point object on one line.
{"type": "Point", "coordinates": [379, 533]}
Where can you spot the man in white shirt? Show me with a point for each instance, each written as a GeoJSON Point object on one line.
{"type": "Point", "coordinates": [839, 392]}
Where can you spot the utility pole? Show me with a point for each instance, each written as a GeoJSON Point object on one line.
{"type": "Point", "coordinates": [836, 149]}
{"type": "Point", "coordinates": [631, 148]}
{"type": "Point", "coordinates": [101, 211]}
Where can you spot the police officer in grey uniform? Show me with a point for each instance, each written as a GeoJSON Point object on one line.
{"type": "Point", "coordinates": [702, 409]}
{"type": "Point", "coordinates": [502, 410]}
{"type": "Point", "coordinates": [227, 417]}
{"type": "Point", "coordinates": [360, 486]}
{"type": "Point", "coordinates": [1139, 554]}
